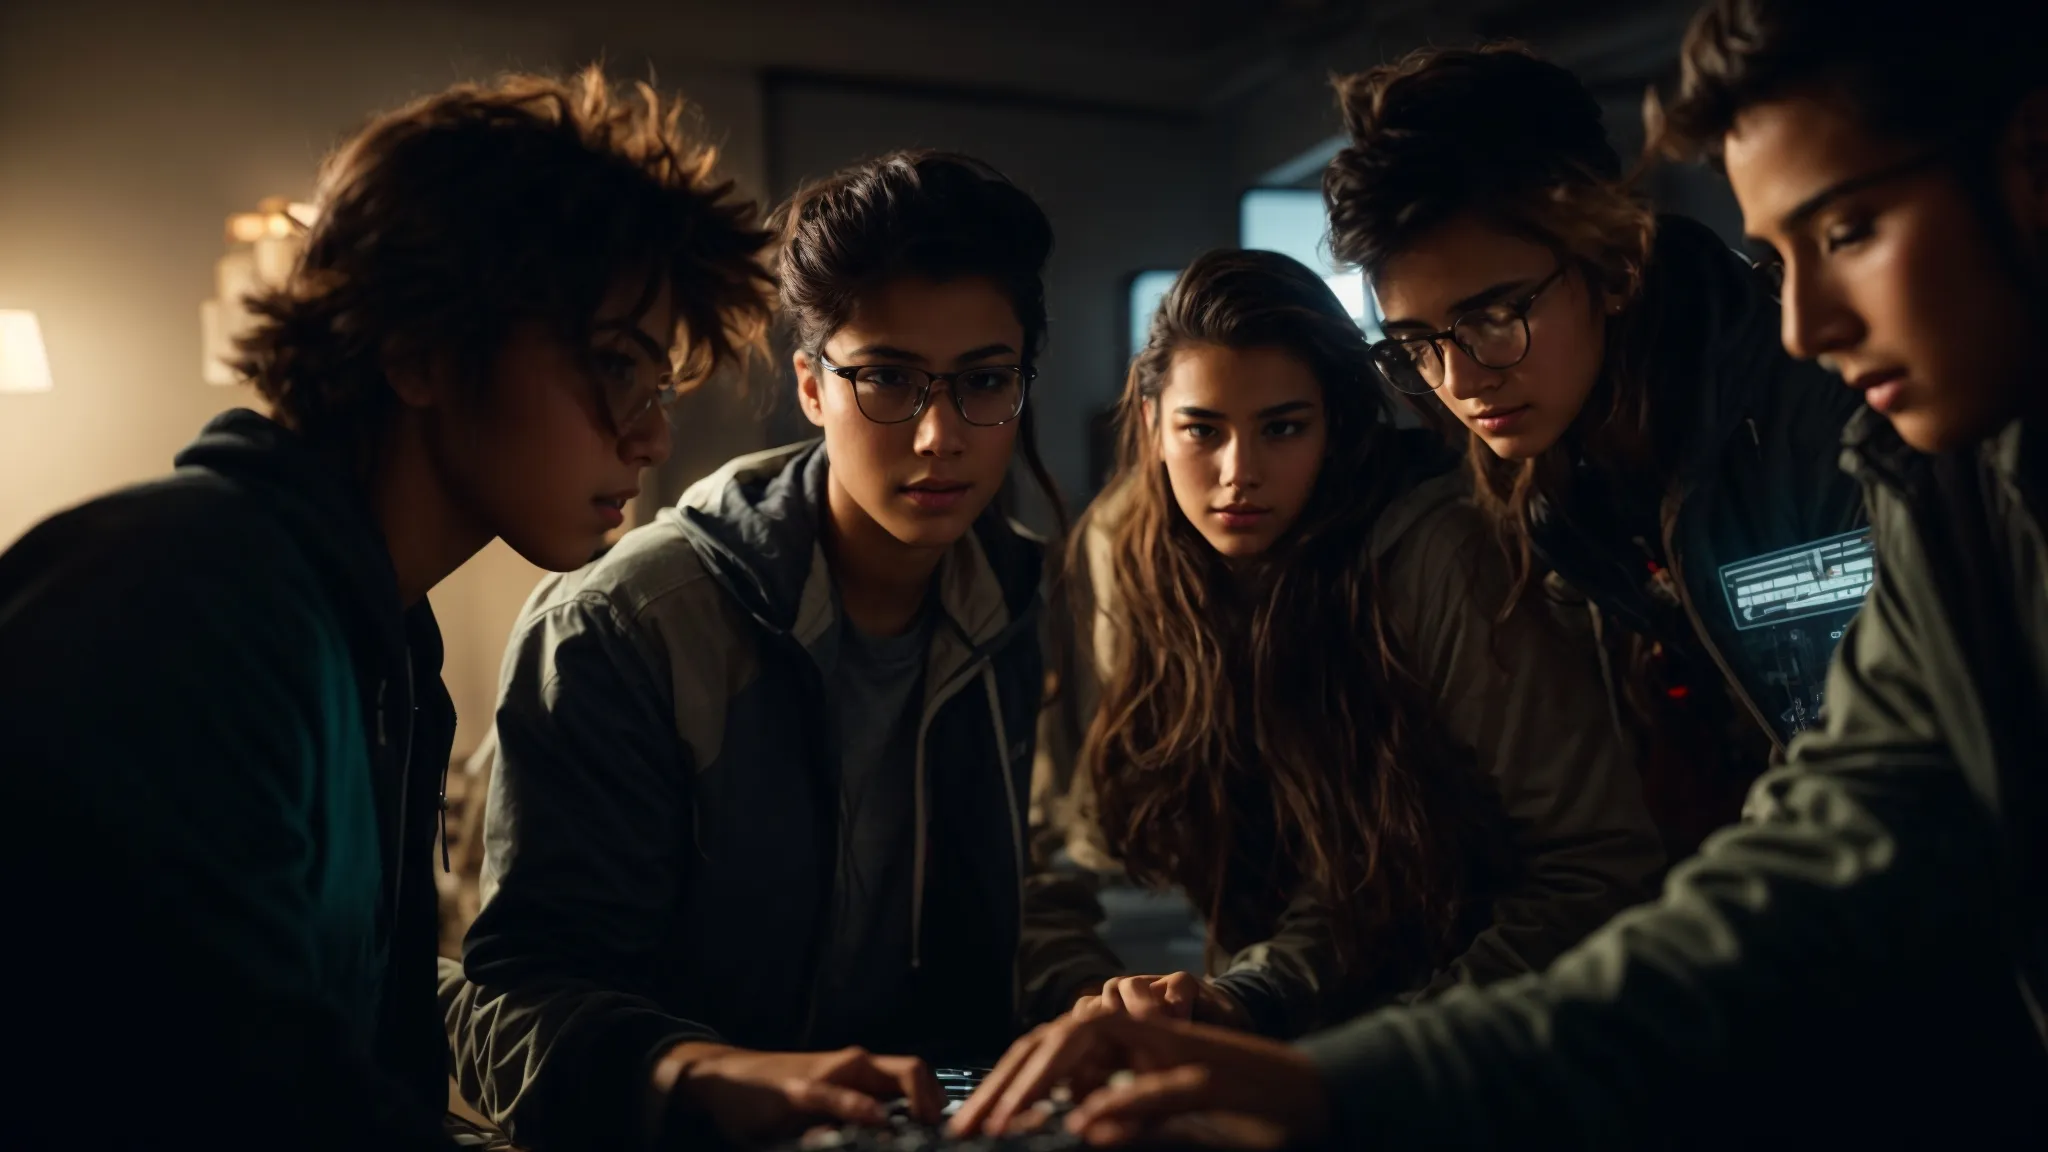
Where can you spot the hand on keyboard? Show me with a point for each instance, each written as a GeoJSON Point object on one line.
{"type": "Point", "coordinates": [1249, 1091]}
{"type": "Point", "coordinates": [755, 1096]}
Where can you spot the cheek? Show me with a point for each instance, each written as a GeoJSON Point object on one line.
{"type": "Point", "coordinates": [537, 447]}
{"type": "Point", "coordinates": [990, 451]}
{"type": "Point", "coordinates": [1190, 475]}
{"type": "Point", "coordinates": [1563, 361]}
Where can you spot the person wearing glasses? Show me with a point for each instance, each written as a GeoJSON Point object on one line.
{"type": "Point", "coordinates": [756, 845]}
{"type": "Point", "coordinates": [1632, 423]}
{"type": "Point", "coordinates": [1304, 713]}
{"type": "Point", "coordinates": [221, 708]}
{"type": "Point", "coordinates": [1863, 962]}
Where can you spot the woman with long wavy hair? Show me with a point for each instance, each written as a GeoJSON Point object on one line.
{"type": "Point", "coordinates": [1306, 715]}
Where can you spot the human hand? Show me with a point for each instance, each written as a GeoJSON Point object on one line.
{"type": "Point", "coordinates": [1148, 1078]}
{"type": "Point", "coordinates": [752, 1096]}
{"type": "Point", "coordinates": [1178, 996]}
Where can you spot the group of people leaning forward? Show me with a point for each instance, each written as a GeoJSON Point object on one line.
{"type": "Point", "coordinates": [1497, 828]}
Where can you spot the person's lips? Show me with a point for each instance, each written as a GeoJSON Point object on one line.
{"type": "Point", "coordinates": [1501, 420]}
{"type": "Point", "coordinates": [936, 495]}
{"type": "Point", "coordinates": [1241, 516]}
{"type": "Point", "coordinates": [612, 508]}
{"type": "Point", "coordinates": [1881, 388]}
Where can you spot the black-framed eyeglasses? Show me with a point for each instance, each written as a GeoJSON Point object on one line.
{"type": "Point", "coordinates": [1496, 337]}
{"type": "Point", "coordinates": [1769, 269]}
{"type": "Point", "coordinates": [892, 394]}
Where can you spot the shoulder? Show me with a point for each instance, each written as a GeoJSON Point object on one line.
{"type": "Point", "coordinates": [652, 587]}
{"type": "Point", "coordinates": [192, 533]}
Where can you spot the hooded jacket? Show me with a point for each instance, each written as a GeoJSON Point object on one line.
{"type": "Point", "coordinates": [663, 825]}
{"type": "Point", "coordinates": [1752, 436]}
{"type": "Point", "coordinates": [1840, 967]}
{"type": "Point", "coordinates": [1524, 696]}
{"type": "Point", "coordinates": [211, 692]}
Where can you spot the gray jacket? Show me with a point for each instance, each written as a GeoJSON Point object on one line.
{"type": "Point", "coordinates": [662, 832]}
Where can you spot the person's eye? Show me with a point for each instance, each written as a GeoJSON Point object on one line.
{"type": "Point", "coordinates": [987, 380]}
{"type": "Point", "coordinates": [616, 367]}
{"type": "Point", "coordinates": [884, 376]}
{"type": "Point", "coordinates": [1845, 234]}
{"type": "Point", "coordinates": [1283, 428]}
{"type": "Point", "coordinates": [1197, 431]}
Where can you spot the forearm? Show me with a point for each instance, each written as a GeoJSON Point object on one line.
{"type": "Point", "coordinates": [1756, 978]}
{"type": "Point", "coordinates": [563, 1063]}
{"type": "Point", "coordinates": [1060, 954]}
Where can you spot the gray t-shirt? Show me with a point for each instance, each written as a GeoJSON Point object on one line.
{"type": "Point", "coordinates": [879, 683]}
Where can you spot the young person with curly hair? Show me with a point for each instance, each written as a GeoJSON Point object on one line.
{"type": "Point", "coordinates": [226, 684]}
{"type": "Point", "coordinates": [1861, 962]}
{"type": "Point", "coordinates": [756, 850]}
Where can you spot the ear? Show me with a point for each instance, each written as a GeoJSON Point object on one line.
{"type": "Point", "coordinates": [2025, 161]}
{"type": "Point", "coordinates": [413, 380]}
{"type": "Point", "coordinates": [810, 395]}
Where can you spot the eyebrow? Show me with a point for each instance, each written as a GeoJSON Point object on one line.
{"type": "Point", "coordinates": [639, 338]}
{"type": "Point", "coordinates": [1492, 294]}
{"type": "Point", "coordinates": [1806, 209]}
{"type": "Point", "coordinates": [1261, 414]}
{"type": "Point", "coordinates": [892, 352]}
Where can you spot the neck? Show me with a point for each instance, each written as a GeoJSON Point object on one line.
{"type": "Point", "coordinates": [428, 534]}
{"type": "Point", "coordinates": [882, 581]}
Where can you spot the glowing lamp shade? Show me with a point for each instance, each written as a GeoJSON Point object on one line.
{"type": "Point", "coordinates": [24, 367]}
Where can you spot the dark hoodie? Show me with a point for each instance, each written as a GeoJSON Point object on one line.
{"type": "Point", "coordinates": [224, 736]}
{"type": "Point", "coordinates": [1749, 437]}
{"type": "Point", "coordinates": [663, 831]}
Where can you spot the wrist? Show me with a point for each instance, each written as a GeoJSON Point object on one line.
{"type": "Point", "coordinates": [1220, 1006]}
{"type": "Point", "coordinates": [675, 1070]}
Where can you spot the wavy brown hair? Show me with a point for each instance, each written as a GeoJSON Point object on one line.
{"type": "Point", "coordinates": [446, 222]}
{"type": "Point", "coordinates": [1517, 142]}
{"type": "Point", "coordinates": [1257, 732]}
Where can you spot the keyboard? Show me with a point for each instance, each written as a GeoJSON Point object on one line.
{"type": "Point", "coordinates": [902, 1133]}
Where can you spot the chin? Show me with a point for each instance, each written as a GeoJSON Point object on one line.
{"type": "Point", "coordinates": [1237, 547]}
{"type": "Point", "coordinates": [929, 532]}
{"type": "Point", "coordinates": [559, 555]}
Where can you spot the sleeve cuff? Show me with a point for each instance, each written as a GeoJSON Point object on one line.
{"type": "Point", "coordinates": [1378, 1095]}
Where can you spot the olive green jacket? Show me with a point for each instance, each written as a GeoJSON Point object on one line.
{"type": "Point", "coordinates": [1841, 965]}
{"type": "Point", "coordinates": [1525, 696]}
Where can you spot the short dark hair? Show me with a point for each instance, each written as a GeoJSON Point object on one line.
{"type": "Point", "coordinates": [938, 215]}
{"type": "Point", "coordinates": [1492, 131]}
{"type": "Point", "coordinates": [1911, 68]}
{"type": "Point", "coordinates": [923, 213]}
{"type": "Point", "coordinates": [444, 223]}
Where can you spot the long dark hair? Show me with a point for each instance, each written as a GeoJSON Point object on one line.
{"type": "Point", "coordinates": [1257, 732]}
{"type": "Point", "coordinates": [938, 215]}
{"type": "Point", "coordinates": [1518, 142]}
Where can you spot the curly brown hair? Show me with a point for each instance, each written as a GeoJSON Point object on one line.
{"type": "Point", "coordinates": [1498, 134]}
{"type": "Point", "coordinates": [1257, 732]}
{"type": "Point", "coordinates": [445, 223]}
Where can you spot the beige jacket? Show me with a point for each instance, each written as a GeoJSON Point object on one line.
{"type": "Point", "coordinates": [1525, 696]}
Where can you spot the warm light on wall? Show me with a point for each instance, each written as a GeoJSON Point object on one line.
{"type": "Point", "coordinates": [24, 366]}
{"type": "Point", "coordinates": [264, 245]}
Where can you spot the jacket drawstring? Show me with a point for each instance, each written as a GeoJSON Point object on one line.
{"type": "Point", "coordinates": [917, 858]}
{"type": "Point", "coordinates": [917, 864]}
{"type": "Point", "coordinates": [995, 711]}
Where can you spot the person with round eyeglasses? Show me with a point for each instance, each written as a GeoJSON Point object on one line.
{"type": "Point", "coordinates": [1630, 419]}
{"type": "Point", "coordinates": [758, 852]}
